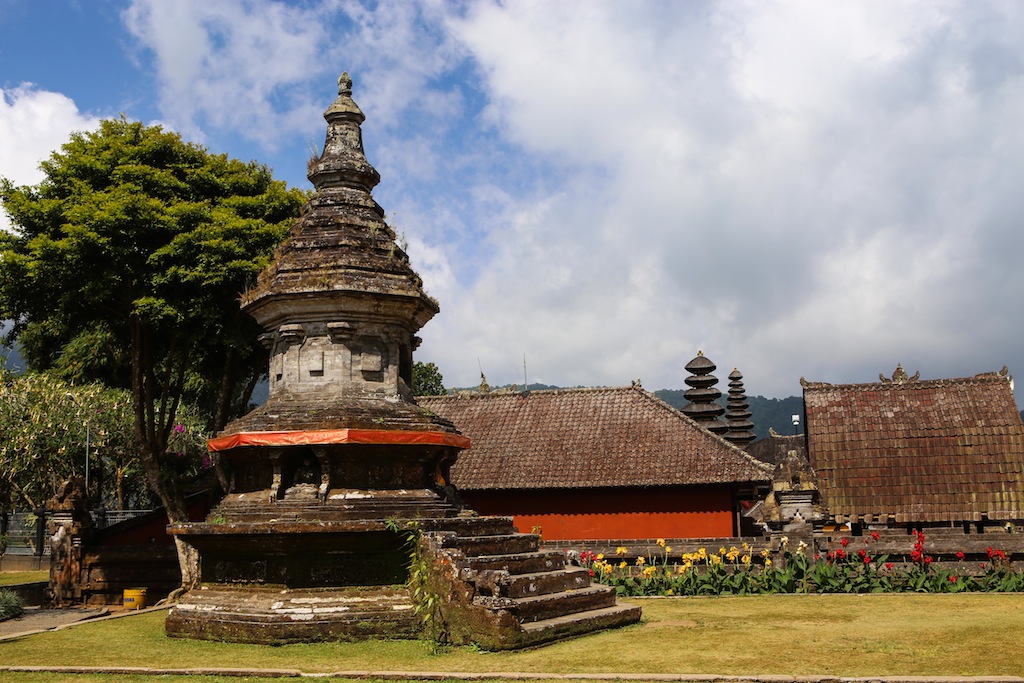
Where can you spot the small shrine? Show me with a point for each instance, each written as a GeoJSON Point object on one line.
{"type": "Point", "coordinates": [308, 543]}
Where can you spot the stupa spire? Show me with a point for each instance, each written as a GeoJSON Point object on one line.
{"type": "Point", "coordinates": [343, 162]}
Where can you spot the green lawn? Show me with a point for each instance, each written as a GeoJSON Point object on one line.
{"type": "Point", "coordinates": [836, 635]}
{"type": "Point", "coordinates": [11, 578]}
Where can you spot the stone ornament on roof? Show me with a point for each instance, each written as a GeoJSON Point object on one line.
{"type": "Point", "coordinates": [899, 376]}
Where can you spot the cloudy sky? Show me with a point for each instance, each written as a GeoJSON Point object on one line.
{"type": "Point", "coordinates": [817, 189]}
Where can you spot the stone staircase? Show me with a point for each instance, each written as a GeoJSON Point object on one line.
{"type": "Point", "coordinates": [502, 592]}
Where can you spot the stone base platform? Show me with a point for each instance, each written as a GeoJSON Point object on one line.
{"type": "Point", "coordinates": [273, 616]}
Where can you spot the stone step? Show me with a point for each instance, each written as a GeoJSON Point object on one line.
{"type": "Point", "coordinates": [544, 583]}
{"type": "Point", "coordinates": [331, 512]}
{"type": "Point", "coordinates": [578, 623]}
{"type": "Point", "coordinates": [520, 563]}
{"type": "Point", "coordinates": [500, 544]}
{"type": "Point", "coordinates": [536, 608]}
{"type": "Point", "coordinates": [472, 526]}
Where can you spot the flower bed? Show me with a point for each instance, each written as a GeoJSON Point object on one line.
{"type": "Point", "coordinates": [852, 566]}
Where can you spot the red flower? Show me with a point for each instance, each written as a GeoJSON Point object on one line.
{"type": "Point", "coordinates": [990, 552]}
{"type": "Point", "coordinates": [874, 536]}
{"type": "Point", "coordinates": [862, 552]}
{"type": "Point", "coordinates": [817, 557]}
{"type": "Point", "coordinates": [841, 554]}
{"type": "Point", "coordinates": [590, 571]}
{"type": "Point", "coordinates": [867, 560]}
{"type": "Point", "coordinates": [960, 555]}
{"type": "Point", "coordinates": [844, 541]}
{"type": "Point", "coordinates": [928, 560]}
{"type": "Point", "coordinates": [888, 566]}
{"type": "Point", "coordinates": [953, 578]}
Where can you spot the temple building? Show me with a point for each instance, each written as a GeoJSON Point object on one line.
{"type": "Point", "coordinates": [910, 452]}
{"type": "Point", "coordinates": [597, 464]}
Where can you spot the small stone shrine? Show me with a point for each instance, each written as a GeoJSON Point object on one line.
{"type": "Point", "coordinates": [304, 545]}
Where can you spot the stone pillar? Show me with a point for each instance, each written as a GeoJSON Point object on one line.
{"type": "Point", "coordinates": [70, 528]}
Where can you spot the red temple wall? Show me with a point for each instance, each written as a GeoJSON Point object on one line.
{"type": "Point", "coordinates": [628, 513]}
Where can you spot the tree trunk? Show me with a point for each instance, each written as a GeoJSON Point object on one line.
{"type": "Point", "coordinates": [151, 439]}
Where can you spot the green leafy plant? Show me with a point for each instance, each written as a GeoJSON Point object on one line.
{"type": "Point", "coordinates": [10, 604]}
{"type": "Point", "coordinates": [426, 601]}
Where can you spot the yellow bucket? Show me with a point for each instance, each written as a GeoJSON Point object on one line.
{"type": "Point", "coordinates": [134, 598]}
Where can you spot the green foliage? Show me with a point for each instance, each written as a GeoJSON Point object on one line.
{"type": "Point", "coordinates": [426, 600]}
{"type": "Point", "coordinates": [427, 380]}
{"type": "Point", "coordinates": [10, 604]}
{"type": "Point", "coordinates": [125, 267]}
{"type": "Point", "coordinates": [139, 243]}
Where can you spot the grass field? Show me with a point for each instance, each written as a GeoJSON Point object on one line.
{"type": "Point", "coordinates": [11, 578]}
{"type": "Point", "coordinates": [836, 635]}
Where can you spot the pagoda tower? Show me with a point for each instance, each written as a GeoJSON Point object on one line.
{"type": "Point", "coordinates": [702, 395]}
{"type": "Point", "coordinates": [737, 415]}
{"type": "Point", "coordinates": [329, 477]}
{"type": "Point", "coordinates": [340, 446]}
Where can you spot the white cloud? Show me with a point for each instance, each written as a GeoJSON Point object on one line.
{"type": "Point", "coordinates": [231, 64]}
{"type": "Point", "coordinates": [797, 188]}
{"type": "Point", "coordinates": [33, 124]}
{"type": "Point", "coordinates": [794, 187]}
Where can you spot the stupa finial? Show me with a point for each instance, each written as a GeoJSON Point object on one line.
{"type": "Point", "coordinates": [344, 84]}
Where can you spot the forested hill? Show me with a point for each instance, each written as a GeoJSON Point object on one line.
{"type": "Point", "coordinates": [776, 413]}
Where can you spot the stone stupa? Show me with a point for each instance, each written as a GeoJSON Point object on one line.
{"type": "Point", "coordinates": [304, 545]}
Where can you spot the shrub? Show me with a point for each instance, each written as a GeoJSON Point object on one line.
{"type": "Point", "coordinates": [10, 604]}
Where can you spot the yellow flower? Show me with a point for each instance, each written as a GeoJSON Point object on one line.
{"type": "Point", "coordinates": [746, 547]}
{"type": "Point", "coordinates": [745, 559]}
{"type": "Point", "coordinates": [703, 554]}
{"type": "Point", "coordinates": [661, 542]}
{"type": "Point", "coordinates": [784, 540]}
{"type": "Point", "coordinates": [640, 561]}
{"type": "Point", "coordinates": [686, 566]}
{"type": "Point", "coordinates": [767, 562]}
{"type": "Point", "coordinates": [714, 559]}
{"type": "Point", "coordinates": [670, 592]}
{"type": "Point", "coordinates": [766, 552]}
{"type": "Point", "coordinates": [668, 549]}
{"type": "Point", "coordinates": [649, 571]}
{"type": "Point", "coordinates": [800, 548]}
{"type": "Point", "coordinates": [600, 556]}
{"type": "Point", "coordinates": [722, 551]}
{"type": "Point", "coordinates": [622, 565]}
{"type": "Point", "coordinates": [621, 550]}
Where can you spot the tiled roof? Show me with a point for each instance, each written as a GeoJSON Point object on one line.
{"type": "Point", "coordinates": [586, 438]}
{"type": "Point", "coordinates": [940, 450]}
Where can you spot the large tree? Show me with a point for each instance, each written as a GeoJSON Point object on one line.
{"type": "Point", "coordinates": [126, 265]}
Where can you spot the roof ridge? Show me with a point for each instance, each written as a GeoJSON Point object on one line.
{"type": "Point", "coordinates": [981, 378]}
{"type": "Point", "coordinates": [501, 391]}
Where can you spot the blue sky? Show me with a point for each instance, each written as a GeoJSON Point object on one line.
{"type": "Point", "coordinates": [816, 189]}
